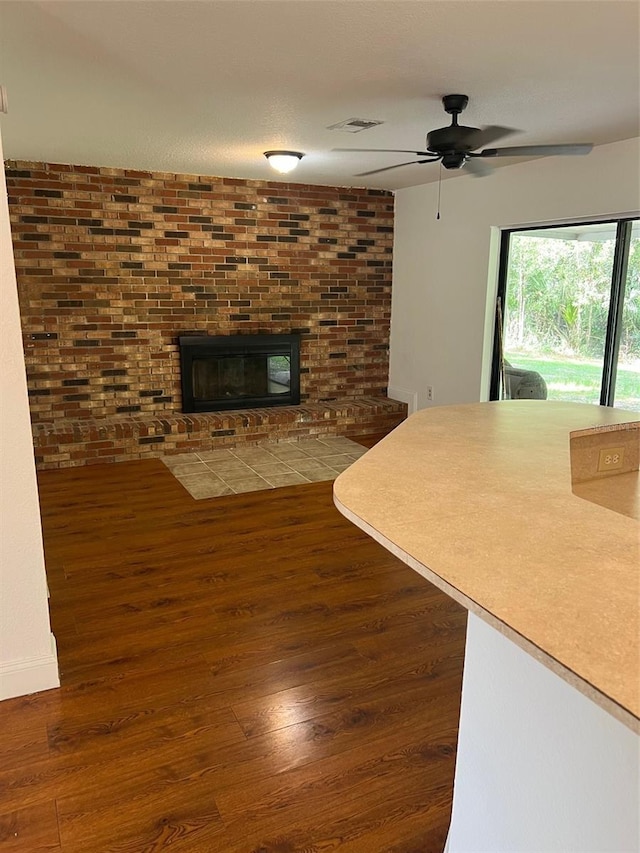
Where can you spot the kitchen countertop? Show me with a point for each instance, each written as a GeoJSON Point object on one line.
{"type": "Point", "coordinates": [478, 499]}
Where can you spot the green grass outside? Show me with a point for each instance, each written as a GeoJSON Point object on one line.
{"type": "Point", "coordinates": [579, 381]}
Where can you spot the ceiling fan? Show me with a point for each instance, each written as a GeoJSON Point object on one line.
{"type": "Point", "coordinates": [456, 146]}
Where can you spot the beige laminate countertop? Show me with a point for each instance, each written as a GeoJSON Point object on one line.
{"type": "Point", "coordinates": [478, 499]}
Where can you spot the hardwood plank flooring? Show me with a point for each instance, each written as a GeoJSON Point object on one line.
{"type": "Point", "coordinates": [243, 674]}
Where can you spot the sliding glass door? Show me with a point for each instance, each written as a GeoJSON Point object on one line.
{"type": "Point", "coordinates": [625, 386]}
{"type": "Point", "coordinates": [568, 314]}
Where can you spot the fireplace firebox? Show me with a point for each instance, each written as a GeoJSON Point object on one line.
{"type": "Point", "coordinates": [239, 371]}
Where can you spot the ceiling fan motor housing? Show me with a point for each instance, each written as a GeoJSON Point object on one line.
{"type": "Point", "coordinates": [452, 139]}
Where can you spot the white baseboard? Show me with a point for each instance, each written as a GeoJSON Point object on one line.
{"type": "Point", "coordinates": [404, 395]}
{"type": "Point", "coordinates": [29, 675]}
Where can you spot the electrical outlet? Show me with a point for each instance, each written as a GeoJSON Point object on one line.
{"type": "Point", "coordinates": [610, 459]}
{"type": "Point", "coordinates": [430, 393]}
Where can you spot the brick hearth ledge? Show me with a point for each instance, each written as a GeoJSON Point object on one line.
{"type": "Point", "coordinates": [68, 443]}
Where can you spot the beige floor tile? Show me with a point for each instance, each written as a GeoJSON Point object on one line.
{"type": "Point", "coordinates": [340, 468]}
{"type": "Point", "coordinates": [232, 477]}
{"type": "Point", "coordinates": [233, 467]}
{"type": "Point", "coordinates": [271, 464]}
{"type": "Point", "coordinates": [344, 445]}
{"type": "Point", "coordinates": [244, 476]}
{"type": "Point", "coordinates": [357, 451]}
{"type": "Point", "coordinates": [253, 454]}
{"type": "Point", "coordinates": [202, 492]}
{"type": "Point", "coordinates": [319, 451]}
{"type": "Point", "coordinates": [286, 454]}
{"type": "Point", "coordinates": [338, 463]}
{"type": "Point", "coordinates": [249, 485]}
{"type": "Point", "coordinates": [291, 479]}
{"type": "Point", "coordinates": [334, 439]}
{"type": "Point", "coordinates": [320, 475]}
{"type": "Point", "coordinates": [217, 455]}
{"type": "Point", "coordinates": [308, 444]}
{"type": "Point", "coordinates": [180, 459]}
{"type": "Point", "coordinates": [341, 448]}
{"type": "Point", "coordinates": [274, 467]}
{"type": "Point", "coordinates": [189, 468]}
{"type": "Point", "coordinates": [311, 465]}
{"type": "Point", "coordinates": [336, 458]}
{"type": "Point", "coordinates": [205, 486]}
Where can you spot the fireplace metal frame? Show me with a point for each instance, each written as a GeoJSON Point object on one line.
{"type": "Point", "coordinates": [216, 346]}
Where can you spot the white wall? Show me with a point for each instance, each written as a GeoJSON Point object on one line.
{"type": "Point", "coordinates": [540, 767]}
{"type": "Point", "coordinates": [28, 661]}
{"type": "Point", "coordinates": [442, 285]}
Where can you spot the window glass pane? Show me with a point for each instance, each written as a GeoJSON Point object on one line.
{"type": "Point", "coordinates": [627, 392]}
{"type": "Point", "coordinates": [557, 301]}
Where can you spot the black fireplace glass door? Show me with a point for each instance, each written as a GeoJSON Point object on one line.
{"type": "Point", "coordinates": [240, 371]}
{"type": "Point", "coordinates": [241, 377]}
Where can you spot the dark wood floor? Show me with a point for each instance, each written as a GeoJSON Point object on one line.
{"type": "Point", "coordinates": [247, 674]}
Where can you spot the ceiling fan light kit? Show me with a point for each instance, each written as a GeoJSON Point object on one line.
{"type": "Point", "coordinates": [456, 145]}
{"type": "Point", "coordinates": [283, 161]}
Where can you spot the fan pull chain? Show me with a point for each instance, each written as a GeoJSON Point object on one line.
{"type": "Point", "coordinates": [439, 188]}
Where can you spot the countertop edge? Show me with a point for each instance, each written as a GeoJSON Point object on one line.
{"type": "Point", "coordinates": [624, 716]}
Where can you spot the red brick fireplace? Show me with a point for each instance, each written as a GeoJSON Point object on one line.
{"type": "Point", "coordinates": [114, 265]}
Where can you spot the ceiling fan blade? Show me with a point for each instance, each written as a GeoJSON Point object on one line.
{"type": "Point", "coordinates": [484, 136]}
{"type": "Point", "coordinates": [397, 165]}
{"type": "Point", "coordinates": [387, 150]}
{"type": "Point", "coordinates": [477, 168]}
{"type": "Point", "coordinates": [537, 150]}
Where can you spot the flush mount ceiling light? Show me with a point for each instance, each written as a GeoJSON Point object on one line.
{"type": "Point", "coordinates": [283, 161]}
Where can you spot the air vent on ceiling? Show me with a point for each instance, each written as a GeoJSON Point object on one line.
{"type": "Point", "coordinates": [355, 125]}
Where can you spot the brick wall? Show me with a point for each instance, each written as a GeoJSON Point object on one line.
{"type": "Point", "coordinates": [114, 264]}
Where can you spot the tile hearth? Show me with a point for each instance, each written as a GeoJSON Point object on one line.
{"type": "Point", "coordinates": [213, 473]}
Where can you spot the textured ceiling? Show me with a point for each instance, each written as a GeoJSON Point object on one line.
{"type": "Point", "coordinates": [206, 87]}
